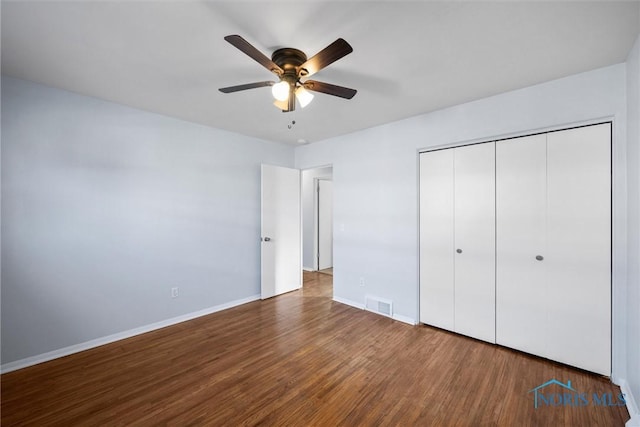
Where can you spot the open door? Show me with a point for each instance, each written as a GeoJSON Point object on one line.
{"type": "Point", "coordinates": [281, 260]}
{"type": "Point", "coordinates": [325, 224]}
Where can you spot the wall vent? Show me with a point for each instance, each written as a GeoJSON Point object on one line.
{"type": "Point", "coordinates": [378, 305]}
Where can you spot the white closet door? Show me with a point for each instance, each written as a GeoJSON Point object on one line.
{"type": "Point", "coordinates": [578, 258]}
{"type": "Point", "coordinates": [436, 239]}
{"type": "Point", "coordinates": [521, 293]}
{"type": "Point", "coordinates": [475, 241]}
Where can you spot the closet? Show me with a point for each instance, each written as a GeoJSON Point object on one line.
{"type": "Point", "coordinates": [457, 234]}
{"type": "Point", "coordinates": [553, 276]}
{"type": "Point", "coordinates": [549, 273]}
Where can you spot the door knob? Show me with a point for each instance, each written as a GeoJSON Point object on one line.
{"type": "Point", "coordinates": [267, 239]}
{"type": "Point", "coordinates": [539, 257]}
{"type": "Point", "coordinates": [459, 251]}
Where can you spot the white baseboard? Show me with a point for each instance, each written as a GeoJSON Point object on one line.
{"type": "Point", "coordinates": [632, 405]}
{"type": "Point", "coordinates": [308, 269]}
{"type": "Point", "coordinates": [404, 319]}
{"type": "Point", "coordinates": [348, 302]}
{"type": "Point", "coordinates": [76, 348]}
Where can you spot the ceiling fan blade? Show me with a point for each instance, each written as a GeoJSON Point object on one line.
{"type": "Point", "coordinates": [254, 53]}
{"type": "Point", "coordinates": [329, 89]}
{"type": "Point", "coordinates": [238, 88]}
{"type": "Point", "coordinates": [326, 56]}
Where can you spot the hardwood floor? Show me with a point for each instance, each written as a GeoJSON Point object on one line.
{"type": "Point", "coordinates": [299, 359]}
{"type": "Point", "coordinates": [327, 271]}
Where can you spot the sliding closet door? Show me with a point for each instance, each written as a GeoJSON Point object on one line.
{"type": "Point", "coordinates": [474, 180]}
{"type": "Point", "coordinates": [436, 238]}
{"type": "Point", "coordinates": [578, 258]}
{"type": "Point", "coordinates": [521, 292]}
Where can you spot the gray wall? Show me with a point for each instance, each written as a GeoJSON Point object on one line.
{"type": "Point", "coordinates": [375, 175]}
{"type": "Point", "coordinates": [633, 165]}
{"type": "Point", "coordinates": [105, 208]}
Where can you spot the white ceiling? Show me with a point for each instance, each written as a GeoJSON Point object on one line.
{"type": "Point", "coordinates": [409, 58]}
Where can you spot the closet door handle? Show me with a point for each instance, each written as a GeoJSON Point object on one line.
{"type": "Point", "coordinates": [539, 257]}
{"type": "Point", "coordinates": [459, 251]}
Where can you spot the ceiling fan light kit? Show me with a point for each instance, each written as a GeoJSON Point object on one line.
{"type": "Point", "coordinates": [280, 91]}
{"type": "Point", "coordinates": [303, 96]}
{"type": "Point", "coordinates": [291, 65]}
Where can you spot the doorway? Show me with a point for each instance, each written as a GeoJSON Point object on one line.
{"type": "Point", "coordinates": [317, 220]}
{"type": "Point", "coordinates": [325, 225]}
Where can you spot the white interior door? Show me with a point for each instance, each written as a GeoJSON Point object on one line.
{"type": "Point", "coordinates": [521, 291]}
{"type": "Point", "coordinates": [474, 281]}
{"type": "Point", "coordinates": [578, 258]}
{"type": "Point", "coordinates": [281, 260]}
{"type": "Point", "coordinates": [436, 239]}
{"type": "Point", "coordinates": [325, 224]}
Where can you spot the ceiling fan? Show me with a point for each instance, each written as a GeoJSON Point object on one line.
{"type": "Point", "coordinates": [291, 66]}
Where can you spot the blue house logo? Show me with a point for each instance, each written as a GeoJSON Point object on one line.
{"type": "Point", "coordinates": [537, 393]}
{"type": "Point", "coordinates": [569, 396]}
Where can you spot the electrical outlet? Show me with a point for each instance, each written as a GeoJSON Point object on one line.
{"type": "Point", "coordinates": [362, 281]}
{"type": "Point", "coordinates": [174, 292]}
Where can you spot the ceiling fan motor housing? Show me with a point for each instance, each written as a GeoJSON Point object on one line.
{"type": "Point", "coordinates": [289, 59]}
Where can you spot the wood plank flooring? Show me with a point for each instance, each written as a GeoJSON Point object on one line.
{"type": "Point", "coordinates": [299, 359]}
{"type": "Point", "coordinates": [327, 271]}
